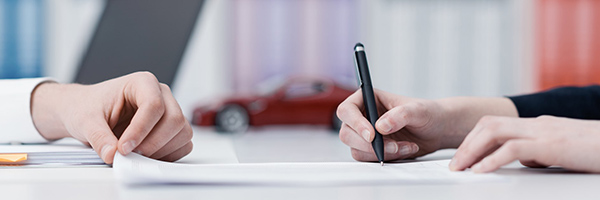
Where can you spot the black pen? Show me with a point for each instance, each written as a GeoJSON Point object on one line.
{"type": "Point", "coordinates": [364, 80]}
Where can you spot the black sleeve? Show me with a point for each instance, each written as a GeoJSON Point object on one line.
{"type": "Point", "coordinates": [572, 102]}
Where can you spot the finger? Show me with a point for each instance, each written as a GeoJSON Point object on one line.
{"type": "Point", "coordinates": [488, 133]}
{"type": "Point", "coordinates": [98, 134]}
{"type": "Point", "coordinates": [171, 123]}
{"type": "Point", "coordinates": [349, 112]}
{"type": "Point", "coordinates": [389, 100]}
{"type": "Point", "coordinates": [393, 151]}
{"type": "Point", "coordinates": [411, 114]}
{"type": "Point", "coordinates": [507, 153]}
{"type": "Point", "coordinates": [146, 95]}
{"type": "Point", "coordinates": [353, 140]}
{"type": "Point", "coordinates": [181, 139]}
{"type": "Point", "coordinates": [179, 153]}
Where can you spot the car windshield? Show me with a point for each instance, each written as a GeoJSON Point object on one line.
{"type": "Point", "coordinates": [270, 86]}
{"type": "Point", "coordinates": [294, 88]}
{"type": "Point", "coordinates": [303, 89]}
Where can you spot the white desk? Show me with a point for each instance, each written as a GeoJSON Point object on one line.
{"type": "Point", "coordinates": [281, 145]}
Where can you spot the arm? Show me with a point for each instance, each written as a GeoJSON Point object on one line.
{"type": "Point", "coordinates": [542, 141]}
{"type": "Point", "coordinates": [571, 102]}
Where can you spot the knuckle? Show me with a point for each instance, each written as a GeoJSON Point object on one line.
{"type": "Point", "coordinates": [401, 113]}
{"type": "Point", "coordinates": [512, 147]}
{"type": "Point", "coordinates": [145, 74]}
{"type": "Point", "coordinates": [150, 147]}
{"type": "Point", "coordinates": [343, 112]}
{"type": "Point", "coordinates": [157, 104]}
{"type": "Point", "coordinates": [95, 136]}
{"type": "Point", "coordinates": [464, 152]}
{"type": "Point", "coordinates": [490, 123]}
{"type": "Point", "coordinates": [188, 148]}
{"type": "Point", "coordinates": [356, 155]}
{"type": "Point", "coordinates": [177, 120]}
{"type": "Point", "coordinates": [486, 119]}
{"type": "Point", "coordinates": [424, 108]}
{"type": "Point", "coordinates": [420, 106]}
{"type": "Point", "coordinates": [136, 131]}
{"type": "Point", "coordinates": [545, 118]}
{"type": "Point", "coordinates": [344, 134]}
{"type": "Point", "coordinates": [342, 109]}
{"type": "Point", "coordinates": [188, 134]}
{"type": "Point", "coordinates": [165, 87]}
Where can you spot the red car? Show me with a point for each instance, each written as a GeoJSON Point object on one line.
{"type": "Point", "coordinates": [298, 101]}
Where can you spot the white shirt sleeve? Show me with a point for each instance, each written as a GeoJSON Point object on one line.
{"type": "Point", "coordinates": [16, 124]}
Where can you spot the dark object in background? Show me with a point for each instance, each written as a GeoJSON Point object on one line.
{"type": "Point", "coordinates": [139, 35]}
{"type": "Point", "coordinates": [298, 101]}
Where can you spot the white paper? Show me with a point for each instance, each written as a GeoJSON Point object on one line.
{"type": "Point", "coordinates": [63, 153]}
{"type": "Point", "coordinates": [137, 169]}
{"type": "Point", "coordinates": [64, 145]}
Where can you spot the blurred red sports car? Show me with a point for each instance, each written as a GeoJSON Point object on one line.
{"type": "Point", "coordinates": [297, 101]}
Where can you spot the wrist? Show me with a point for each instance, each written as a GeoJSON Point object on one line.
{"type": "Point", "coordinates": [45, 104]}
{"type": "Point", "coordinates": [454, 124]}
{"type": "Point", "coordinates": [461, 114]}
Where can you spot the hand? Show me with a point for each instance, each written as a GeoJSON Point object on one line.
{"type": "Point", "coordinates": [536, 142]}
{"type": "Point", "coordinates": [410, 127]}
{"type": "Point", "coordinates": [130, 113]}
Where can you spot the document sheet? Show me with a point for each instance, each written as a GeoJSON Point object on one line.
{"type": "Point", "coordinates": [137, 169]}
{"type": "Point", "coordinates": [63, 153]}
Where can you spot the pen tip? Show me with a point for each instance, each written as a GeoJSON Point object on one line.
{"type": "Point", "coordinates": [381, 163]}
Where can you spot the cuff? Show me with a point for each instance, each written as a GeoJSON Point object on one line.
{"type": "Point", "coordinates": [15, 106]}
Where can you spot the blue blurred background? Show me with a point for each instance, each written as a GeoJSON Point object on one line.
{"type": "Point", "coordinates": [21, 38]}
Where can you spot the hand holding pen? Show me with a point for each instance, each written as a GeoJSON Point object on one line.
{"type": "Point", "coordinates": [366, 86]}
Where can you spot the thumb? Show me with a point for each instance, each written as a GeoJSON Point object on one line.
{"type": "Point", "coordinates": [102, 139]}
{"type": "Point", "coordinates": [412, 114]}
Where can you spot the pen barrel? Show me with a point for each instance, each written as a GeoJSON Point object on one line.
{"type": "Point", "coordinates": [369, 100]}
{"type": "Point", "coordinates": [367, 87]}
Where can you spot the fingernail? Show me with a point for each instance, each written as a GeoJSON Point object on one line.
{"type": "Point", "coordinates": [105, 151]}
{"type": "Point", "coordinates": [477, 168]}
{"type": "Point", "coordinates": [128, 147]}
{"type": "Point", "coordinates": [452, 164]}
{"type": "Point", "coordinates": [385, 125]}
{"type": "Point", "coordinates": [365, 134]}
{"type": "Point", "coordinates": [391, 147]}
{"type": "Point", "coordinates": [405, 150]}
{"type": "Point", "coordinates": [415, 148]}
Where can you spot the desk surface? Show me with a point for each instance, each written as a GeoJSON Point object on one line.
{"type": "Point", "coordinates": [277, 144]}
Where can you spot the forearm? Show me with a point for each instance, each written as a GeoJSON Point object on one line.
{"type": "Point", "coordinates": [462, 113]}
{"type": "Point", "coordinates": [571, 102]}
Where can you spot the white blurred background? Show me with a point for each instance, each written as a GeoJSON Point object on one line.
{"type": "Point", "coordinates": [428, 49]}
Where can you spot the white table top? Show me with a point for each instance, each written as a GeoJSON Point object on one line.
{"type": "Point", "coordinates": [279, 144]}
